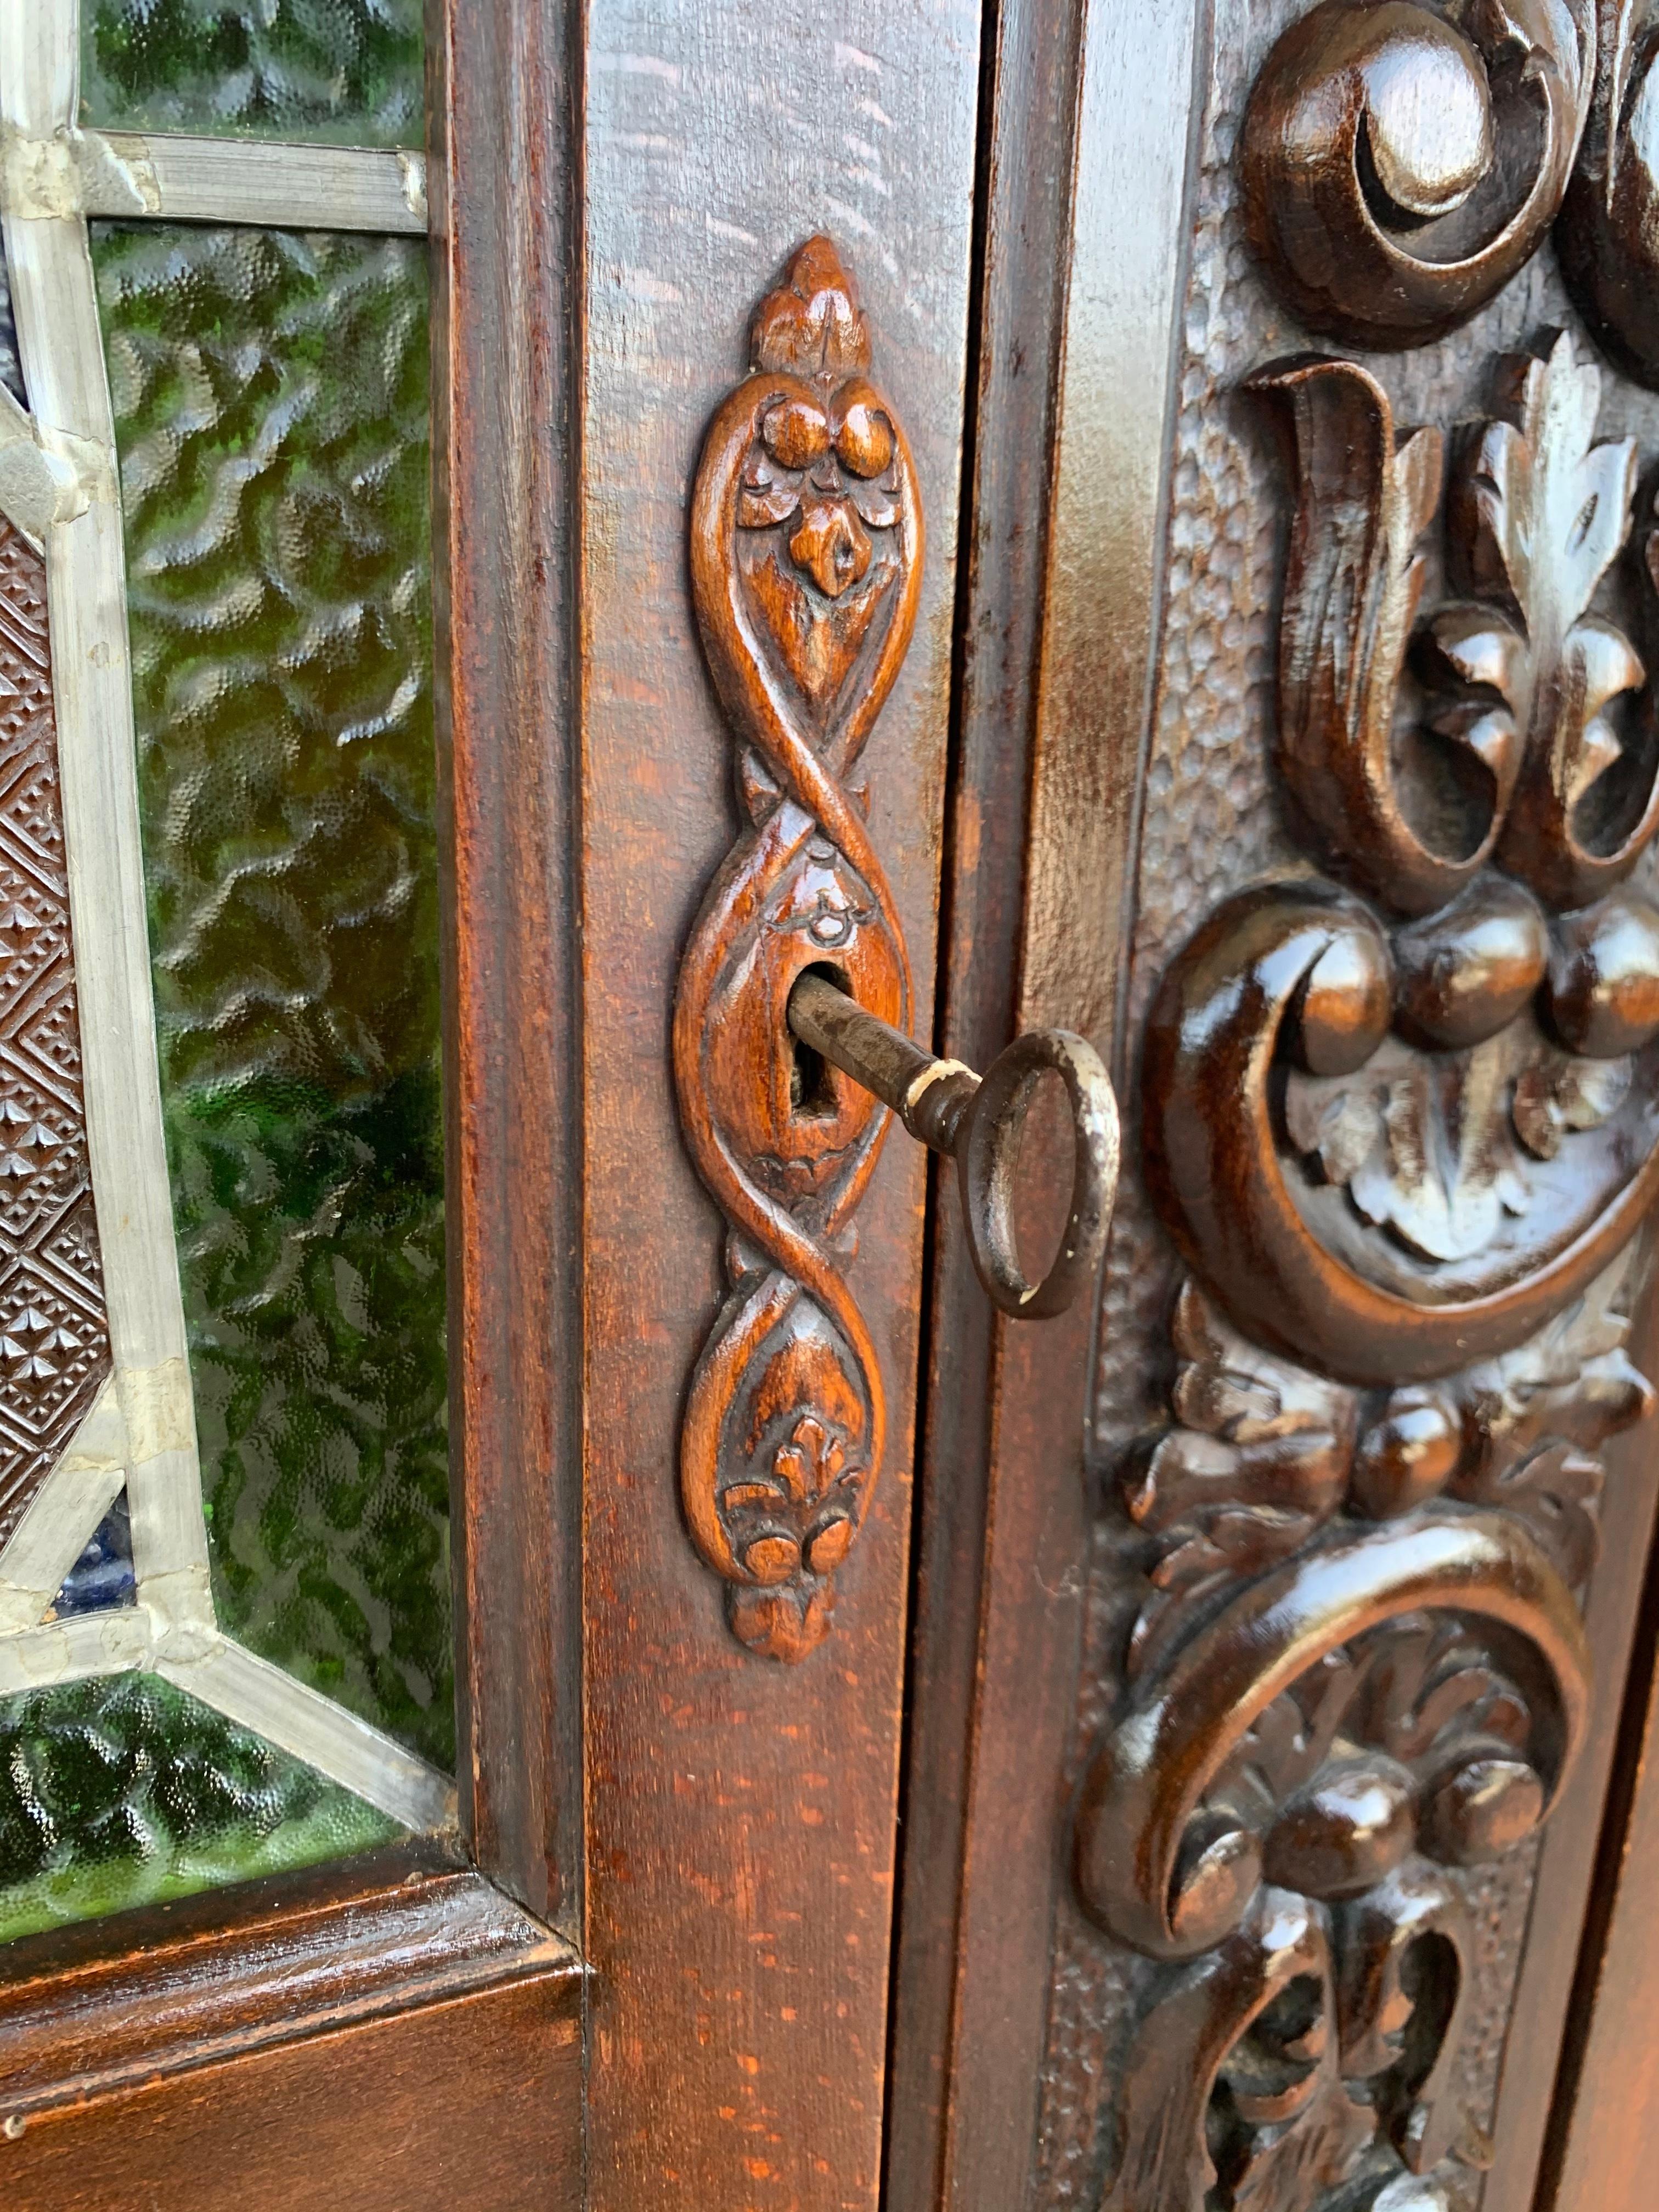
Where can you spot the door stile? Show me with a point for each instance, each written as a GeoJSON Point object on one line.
{"type": "Point", "coordinates": [1021, 264]}
{"type": "Point", "coordinates": [993, 1831]}
{"type": "Point", "coordinates": [740, 1807]}
{"type": "Point", "coordinates": [507, 294]}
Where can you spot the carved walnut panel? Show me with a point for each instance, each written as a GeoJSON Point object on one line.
{"type": "Point", "coordinates": [1395, 1010]}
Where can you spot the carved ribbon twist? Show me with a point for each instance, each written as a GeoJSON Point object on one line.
{"type": "Point", "coordinates": [806, 542]}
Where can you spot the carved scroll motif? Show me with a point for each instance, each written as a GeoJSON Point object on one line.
{"type": "Point", "coordinates": [1388, 1144]}
{"type": "Point", "coordinates": [807, 544]}
{"type": "Point", "coordinates": [1402, 1125]}
{"type": "Point", "coordinates": [1608, 237]}
{"type": "Point", "coordinates": [1403, 160]}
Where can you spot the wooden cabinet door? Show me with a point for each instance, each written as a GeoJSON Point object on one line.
{"type": "Point", "coordinates": [1279, 1697]}
{"type": "Point", "coordinates": [1129, 517]}
{"type": "Point", "coordinates": [637, 1949]}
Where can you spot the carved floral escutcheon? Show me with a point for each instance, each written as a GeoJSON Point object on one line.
{"type": "Point", "coordinates": [807, 544]}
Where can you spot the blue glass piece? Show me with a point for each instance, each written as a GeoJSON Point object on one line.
{"type": "Point", "coordinates": [102, 1576]}
{"type": "Point", "coordinates": [11, 367]}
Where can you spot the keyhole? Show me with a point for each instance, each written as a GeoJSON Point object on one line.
{"type": "Point", "coordinates": [811, 1082]}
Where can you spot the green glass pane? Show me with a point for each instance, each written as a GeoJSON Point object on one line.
{"type": "Point", "coordinates": [124, 1791]}
{"type": "Point", "coordinates": [344, 69]}
{"type": "Point", "coordinates": [271, 398]}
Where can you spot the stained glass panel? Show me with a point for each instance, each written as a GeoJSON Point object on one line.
{"type": "Point", "coordinates": [270, 400]}
{"type": "Point", "coordinates": [349, 70]}
{"type": "Point", "coordinates": [125, 1791]}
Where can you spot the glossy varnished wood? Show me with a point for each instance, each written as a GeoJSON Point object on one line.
{"type": "Point", "coordinates": [1608, 237]}
{"type": "Point", "coordinates": [1402, 1409]}
{"type": "Point", "coordinates": [1546, 1992]}
{"type": "Point", "coordinates": [807, 543]}
{"type": "Point", "coordinates": [1369, 125]}
{"type": "Point", "coordinates": [386, 2032]}
{"type": "Point", "coordinates": [1607, 2119]}
{"type": "Point", "coordinates": [506, 177]}
{"type": "Point", "coordinates": [1070, 290]}
{"type": "Point", "coordinates": [1026, 123]}
{"type": "Point", "coordinates": [741, 1813]}
{"type": "Point", "coordinates": [474, 2099]}
{"type": "Point", "coordinates": [99, 2006]}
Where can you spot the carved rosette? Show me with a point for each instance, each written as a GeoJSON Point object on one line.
{"type": "Point", "coordinates": [1401, 1121]}
{"type": "Point", "coordinates": [806, 546]}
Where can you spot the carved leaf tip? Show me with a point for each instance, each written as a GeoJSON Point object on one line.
{"type": "Point", "coordinates": [812, 325]}
{"type": "Point", "coordinates": [1551, 508]}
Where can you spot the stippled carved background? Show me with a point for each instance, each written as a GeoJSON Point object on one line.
{"type": "Point", "coordinates": [1214, 824]}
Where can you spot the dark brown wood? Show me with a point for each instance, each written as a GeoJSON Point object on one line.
{"type": "Point", "coordinates": [1270, 1577]}
{"type": "Point", "coordinates": [1607, 235]}
{"type": "Point", "coordinates": [508, 272]}
{"type": "Point", "coordinates": [1387, 1267]}
{"type": "Point", "coordinates": [1606, 2117]}
{"type": "Point", "coordinates": [806, 551]}
{"type": "Point", "coordinates": [100, 2007]}
{"type": "Point", "coordinates": [1455, 1107]}
{"type": "Point", "coordinates": [1173, 1845]}
{"type": "Point", "coordinates": [1026, 119]}
{"type": "Point", "coordinates": [427, 2028]}
{"type": "Point", "coordinates": [473, 2099]}
{"type": "Point", "coordinates": [1057, 627]}
{"type": "Point", "coordinates": [741, 1831]}
{"type": "Point", "coordinates": [1400, 169]}
{"type": "Point", "coordinates": [1567, 1860]}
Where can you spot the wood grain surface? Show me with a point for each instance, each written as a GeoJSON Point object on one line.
{"type": "Point", "coordinates": [741, 1813]}
{"type": "Point", "coordinates": [506, 296]}
{"type": "Point", "coordinates": [476, 2101]}
{"type": "Point", "coordinates": [1605, 2121]}
{"type": "Point", "coordinates": [394, 2032]}
{"type": "Point", "coordinates": [1005, 1529]}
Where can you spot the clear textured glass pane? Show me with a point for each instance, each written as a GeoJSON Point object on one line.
{"type": "Point", "coordinates": [270, 400]}
{"type": "Point", "coordinates": [349, 70]}
{"type": "Point", "coordinates": [124, 1791]}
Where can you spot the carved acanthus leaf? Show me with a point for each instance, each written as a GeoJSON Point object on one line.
{"type": "Point", "coordinates": [1539, 514]}
{"type": "Point", "coordinates": [1258, 1459]}
{"type": "Point", "coordinates": [1560, 1093]}
{"type": "Point", "coordinates": [1426, 1146]}
{"type": "Point", "coordinates": [1535, 1420]}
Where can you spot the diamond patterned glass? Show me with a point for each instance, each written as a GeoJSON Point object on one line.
{"type": "Point", "coordinates": [270, 400]}
{"type": "Point", "coordinates": [350, 70]}
{"type": "Point", "coordinates": [54, 1335]}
